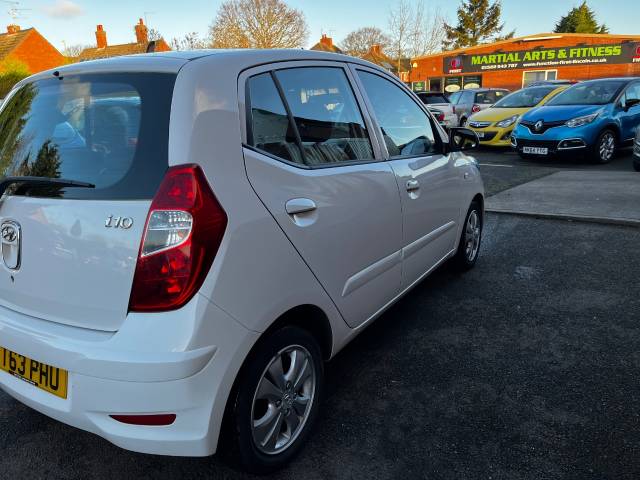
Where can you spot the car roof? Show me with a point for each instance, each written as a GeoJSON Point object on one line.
{"type": "Point", "coordinates": [483, 89]}
{"type": "Point", "coordinates": [171, 62]}
{"type": "Point", "coordinates": [599, 80]}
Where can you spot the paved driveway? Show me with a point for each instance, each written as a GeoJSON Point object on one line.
{"type": "Point", "coordinates": [527, 367]}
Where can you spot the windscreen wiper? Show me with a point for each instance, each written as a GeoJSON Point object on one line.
{"type": "Point", "coordinates": [6, 182]}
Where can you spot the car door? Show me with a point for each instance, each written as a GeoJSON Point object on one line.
{"type": "Point", "coordinates": [311, 158]}
{"type": "Point", "coordinates": [464, 106]}
{"type": "Point", "coordinates": [454, 99]}
{"type": "Point", "coordinates": [629, 117]}
{"type": "Point", "coordinates": [428, 180]}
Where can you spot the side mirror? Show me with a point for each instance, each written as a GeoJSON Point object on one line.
{"type": "Point", "coordinates": [631, 102]}
{"type": "Point", "coordinates": [462, 139]}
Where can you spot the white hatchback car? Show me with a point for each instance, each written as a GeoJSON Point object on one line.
{"type": "Point", "coordinates": [186, 237]}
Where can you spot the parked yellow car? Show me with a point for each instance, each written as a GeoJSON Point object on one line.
{"type": "Point", "coordinates": [495, 124]}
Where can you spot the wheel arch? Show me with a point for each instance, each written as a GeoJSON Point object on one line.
{"type": "Point", "coordinates": [308, 317]}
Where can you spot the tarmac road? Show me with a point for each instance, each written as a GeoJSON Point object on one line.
{"type": "Point", "coordinates": [527, 367]}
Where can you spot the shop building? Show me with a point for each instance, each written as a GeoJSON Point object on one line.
{"type": "Point", "coordinates": [517, 62]}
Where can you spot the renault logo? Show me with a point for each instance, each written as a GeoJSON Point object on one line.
{"type": "Point", "coordinates": [538, 125]}
{"type": "Point", "coordinates": [10, 240]}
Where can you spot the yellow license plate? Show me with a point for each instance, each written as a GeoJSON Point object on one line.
{"type": "Point", "coordinates": [45, 377]}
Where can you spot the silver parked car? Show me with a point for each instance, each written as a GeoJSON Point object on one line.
{"type": "Point", "coordinates": [187, 237]}
{"type": "Point", "coordinates": [467, 102]}
{"type": "Point", "coordinates": [439, 102]}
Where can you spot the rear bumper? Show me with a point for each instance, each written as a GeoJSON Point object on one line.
{"type": "Point", "coordinates": [172, 370]}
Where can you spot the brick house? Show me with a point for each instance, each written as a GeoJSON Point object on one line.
{"type": "Point", "coordinates": [29, 48]}
{"type": "Point", "coordinates": [141, 45]}
{"type": "Point", "coordinates": [326, 45]}
{"type": "Point", "coordinates": [516, 62]}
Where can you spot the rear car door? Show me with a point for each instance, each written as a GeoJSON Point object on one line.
{"type": "Point", "coordinates": [311, 158]}
{"type": "Point", "coordinates": [69, 254]}
{"type": "Point", "coordinates": [428, 180]}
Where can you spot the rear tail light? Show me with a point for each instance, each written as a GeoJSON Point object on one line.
{"type": "Point", "coordinates": [182, 235]}
{"type": "Point", "coordinates": [441, 117]}
{"type": "Point", "coordinates": [475, 108]}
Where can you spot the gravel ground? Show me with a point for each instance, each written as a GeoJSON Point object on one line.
{"type": "Point", "coordinates": [525, 368]}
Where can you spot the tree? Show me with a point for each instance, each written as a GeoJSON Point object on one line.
{"type": "Point", "coordinates": [154, 35]}
{"type": "Point", "coordinates": [580, 20]}
{"type": "Point", "coordinates": [400, 19]}
{"type": "Point", "coordinates": [258, 24]}
{"type": "Point", "coordinates": [478, 22]}
{"type": "Point", "coordinates": [360, 41]}
{"type": "Point", "coordinates": [71, 51]}
{"type": "Point", "coordinates": [191, 41]}
{"type": "Point", "coordinates": [427, 32]}
{"type": "Point", "coordinates": [414, 31]}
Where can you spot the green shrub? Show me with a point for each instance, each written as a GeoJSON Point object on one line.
{"type": "Point", "coordinates": [11, 72]}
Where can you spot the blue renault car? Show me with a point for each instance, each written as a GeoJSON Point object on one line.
{"type": "Point", "coordinates": [592, 118]}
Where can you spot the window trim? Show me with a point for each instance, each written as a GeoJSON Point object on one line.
{"type": "Point", "coordinates": [271, 69]}
{"type": "Point", "coordinates": [439, 135]}
{"type": "Point", "coordinates": [524, 72]}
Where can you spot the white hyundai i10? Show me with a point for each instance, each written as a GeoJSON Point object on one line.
{"type": "Point", "coordinates": [187, 237]}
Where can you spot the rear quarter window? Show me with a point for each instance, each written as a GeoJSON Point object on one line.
{"type": "Point", "coordinates": [110, 130]}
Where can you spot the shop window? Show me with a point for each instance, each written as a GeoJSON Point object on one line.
{"type": "Point", "coordinates": [452, 84]}
{"type": "Point", "coordinates": [472, 81]}
{"type": "Point", "coordinates": [435, 85]}
{"type": "Point", "coordinates": [538, 76]}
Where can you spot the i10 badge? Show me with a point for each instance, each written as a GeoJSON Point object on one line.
{"type": "Point", "coordinates": [119, 222]}
{"type": "Point", "coordinates": [10, 237]}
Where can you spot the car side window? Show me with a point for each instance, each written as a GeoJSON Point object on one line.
{"type": "Point", "coordinates": [455, 97]}
{"type": "Point", "coordinates": [326, 116]}
{"type": "Point", "coordinates": [632, 93]}
{"type": "Point", "coordinates": [406, 128]}
{"type": "Point", "coordinates": [269, 123]}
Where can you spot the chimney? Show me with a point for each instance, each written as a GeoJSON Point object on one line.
{"type": "Point", "coordinates": [101, 37]}
{"type": "Point", "coordinates": [142, 33]}
{"type": "Point", "coordinates": [376, 49]}
{"type": "Point", "coordinates": [326, 41]}
{"type": "Point", "coordinates": [13, 28]}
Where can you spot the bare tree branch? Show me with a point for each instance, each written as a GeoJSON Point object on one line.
{"type": "Point", "coordinates": [360, 41]}
{"type": "Point", "coordinates": [258, 24]}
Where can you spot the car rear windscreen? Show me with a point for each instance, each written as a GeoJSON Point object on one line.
{"type": "Point", "coordinates": [433, 99]}
{"type": "Point", "coordinates": [110, 130]}
{"type": "Point", "coordinates": [489, 97]}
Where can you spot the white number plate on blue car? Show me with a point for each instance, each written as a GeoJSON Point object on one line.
{"type": "Point", "coordinates": [535, 150]}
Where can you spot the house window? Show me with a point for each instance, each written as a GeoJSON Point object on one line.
{"type": "Point", "coordinates": [538, 76]}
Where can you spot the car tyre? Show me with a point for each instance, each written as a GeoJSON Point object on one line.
{"type": "Point", "coordinates": [605, 147]}
{"type": "Point", "coordinates": [275, 402]}
{"type": "Point", "coordinates": [463, 122]}
{"type": "Point", "coordinates": [466, 256]}
{"type": "Point", "coordinates": [636, 165]}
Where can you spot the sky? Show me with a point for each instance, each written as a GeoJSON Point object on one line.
{"type": "Point", "coordinates": [73, 22]}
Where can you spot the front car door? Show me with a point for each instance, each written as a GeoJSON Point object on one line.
{"type": "Point", "coordinates": [428, 180]}
{"type": "Point", "coordinates": [629, 118]}
{"type": "Point", "coordinates": [313, 161]}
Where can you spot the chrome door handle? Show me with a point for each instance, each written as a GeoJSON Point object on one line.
{"type": "Point", "coordinates": [296, 206]}
{"type": "Point", "coordinates": [412, 185]}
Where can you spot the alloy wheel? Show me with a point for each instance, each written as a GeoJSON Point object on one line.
{"type": "Point", "coordinates": [472, 236]}
{"type": "Point", "coordinates": [607, 147]}
{"type": "Point", "coordinates": [283, 400]}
